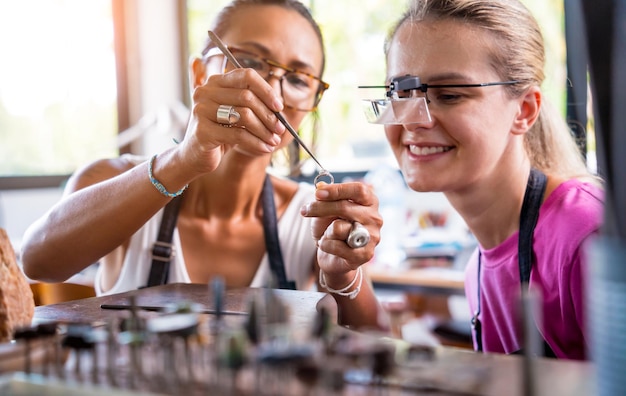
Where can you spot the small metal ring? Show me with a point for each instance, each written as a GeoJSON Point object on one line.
{"type": "Point", "coordinates": [359, 236]}
{"type": "Point", "coordinates": [323, 173]}
{"type": "Point", "coordinates": [227, 115]}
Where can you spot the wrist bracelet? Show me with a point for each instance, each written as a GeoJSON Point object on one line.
{"type": "Point", "coordinates": [160, 187]}
{"type": "Point", "coordinates": [344, 291]}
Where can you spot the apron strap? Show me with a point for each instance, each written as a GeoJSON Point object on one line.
{"type": "Point", "coordinates": [163, 249]}
{"type": "Point", "coordinates": [270, 230]}
{"type": "Point", "coordinates": [535, 189]}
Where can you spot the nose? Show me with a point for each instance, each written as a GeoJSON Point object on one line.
{"type": "Point", "coordinates": [418, 115]}
{"type": "Point", "coordinates": [416, 126]}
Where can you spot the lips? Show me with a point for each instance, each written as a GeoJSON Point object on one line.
{"type": "Point", "coordinates": [428, 150]}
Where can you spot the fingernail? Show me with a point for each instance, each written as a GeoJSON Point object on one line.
{"type": "Point", "coordinates": [280, 128]}
{"type": "Point", "coordinates": [278, 104]}
{"type": "Point", "coordinates": [276, 139]}
{"type": "Point", "coordinates": [322, 194]}
{"type": "Point", "coordinates": [269, 148]}
{"type": "Point", "coordinates": [304, 209]}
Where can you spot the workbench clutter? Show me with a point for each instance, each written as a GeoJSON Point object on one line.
{"type": "Point", "coordinates": [244, 342]}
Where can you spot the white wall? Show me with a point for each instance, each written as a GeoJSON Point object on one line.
{"type": "Point", "coordinates": [155, 70]}
{"type": "Point", "coordinates": [19, 208]}
{"type": "Point", "coordinates": [155, 74]}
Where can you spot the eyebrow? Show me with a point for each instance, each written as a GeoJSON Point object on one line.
{"type": "Point", "coordinates": [437, 78]}
{"type": "Point", "coordinates": [265, 52]}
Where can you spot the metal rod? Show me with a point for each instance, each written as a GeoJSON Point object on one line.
{"type": "Point", "coordinates": [281, 118]}
{"type": "Point", "coordinates": [159, 309]}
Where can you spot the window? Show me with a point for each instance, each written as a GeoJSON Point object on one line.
{"type": "Point", "coordinates": [57, 86]}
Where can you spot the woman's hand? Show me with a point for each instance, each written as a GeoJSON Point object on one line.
{"type": "Point", "coordinates": [336, 208]}
{"type": "Point", "coordinates": [258, 130]}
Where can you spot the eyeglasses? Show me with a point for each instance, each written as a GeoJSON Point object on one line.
{"type": "Point", "coordinates": [300, 90]}
{"type": "Point", "coordinates": [407, 100]}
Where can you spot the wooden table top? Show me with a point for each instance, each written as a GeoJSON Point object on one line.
{"type": "Point", "coordinates": [434, 280]}
{"type": "Point", "coordinates": [302, 305]}
{"type": "Point", "coordinates": [461, 371]}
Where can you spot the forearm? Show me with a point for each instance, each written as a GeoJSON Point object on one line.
{"type": "Point", "coordinates": [88, 224]}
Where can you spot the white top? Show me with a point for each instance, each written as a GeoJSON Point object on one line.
{"type": "Point", "coordinates": [294, 234]}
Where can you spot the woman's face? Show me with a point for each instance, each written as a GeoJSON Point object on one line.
{"type": "Point", "coordinates": [470, 134]}
{"type": "Point", "coordinates": [281, 35]}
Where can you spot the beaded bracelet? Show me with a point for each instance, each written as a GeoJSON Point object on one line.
{"type": "Point", "coordinates": [344, 291]}
{"type": "Point", "coordinates": [160, 187]}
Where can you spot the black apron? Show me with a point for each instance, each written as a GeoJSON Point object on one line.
{"type": "Point", "coordinates": [163, 250]}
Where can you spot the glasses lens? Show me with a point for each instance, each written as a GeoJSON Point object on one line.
{"type": "Point", "coordinates": [300, 90]}
{"type": "Point", "coordinates": [250, 61]}
{"type": "Point", "coordinates": [396, 111]}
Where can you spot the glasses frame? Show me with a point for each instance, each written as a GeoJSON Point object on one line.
{"type": "Point", "coordinates": [273, 64]}
{"type": "Point", "coordinates": [409, 83]}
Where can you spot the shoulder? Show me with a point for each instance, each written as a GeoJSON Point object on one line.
{"type": "Point", "coordinates": [101, 170]}
{"type": "Point", "coordinates": [571, 214]}
{"type": "Point", "coordinates": [575, 198]}
{"type": "Point", "coordinates": [289, 192]}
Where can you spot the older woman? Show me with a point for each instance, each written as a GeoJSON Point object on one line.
{"type": "Point", "coordinates": [235, 220]}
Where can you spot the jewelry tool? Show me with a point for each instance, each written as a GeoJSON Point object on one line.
{"type": "Point", "coordinates": [323, 172]}
{"type": "Point", "coordinates": [121, 307]}
{"type": "Point", "coordinates": [359, 236]}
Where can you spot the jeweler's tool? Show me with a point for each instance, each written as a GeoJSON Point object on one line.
{"type": "Point", "coordinates": [359, 236]}
{"type": "Point", "coordinates": [323, 172]}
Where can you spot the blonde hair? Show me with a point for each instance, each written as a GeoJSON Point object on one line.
{"type": "Point", "coordinates": [518, 54]}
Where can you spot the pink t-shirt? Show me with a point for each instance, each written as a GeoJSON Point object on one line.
{"type": "Point", "coordinates": [567, 218]}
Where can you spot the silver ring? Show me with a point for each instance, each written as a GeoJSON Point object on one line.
{"type": "Point", "coordinates": [323, 173]}
{"type": "Point", "coordinates": [358, 237]}
{"type": "Point", "coordinates": [227, 115]}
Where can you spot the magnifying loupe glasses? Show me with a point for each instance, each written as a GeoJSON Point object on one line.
{"type": "Point", "coordinates": [405, 103]}
{"type": "Point", "coordinates": [406, 100]}
{"type": "Point", "coordinates": [396, 111]}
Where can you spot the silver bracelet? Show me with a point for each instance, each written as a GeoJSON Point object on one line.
{"type": "Point", "coordinates": [344, 291]}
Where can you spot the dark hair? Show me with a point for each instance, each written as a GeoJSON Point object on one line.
{"type": "Point", "coordinates": [292, 153]}
{"type": "Point", "coordinates": [220, 25]}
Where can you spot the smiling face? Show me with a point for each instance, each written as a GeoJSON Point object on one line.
{"type": "Point", "coordinates": [474, 131]}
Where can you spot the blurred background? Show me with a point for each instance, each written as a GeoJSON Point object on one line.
{"type": "Point", "coordinates": [81, 80]}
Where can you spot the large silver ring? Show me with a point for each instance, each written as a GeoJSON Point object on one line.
{"type": "Point", "coordinates": [227, 115]}
{"type": "Point", "coordinates": [358, 237]}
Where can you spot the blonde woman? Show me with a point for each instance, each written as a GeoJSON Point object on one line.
{"type": "Point", "coordinates": [482, 132]}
